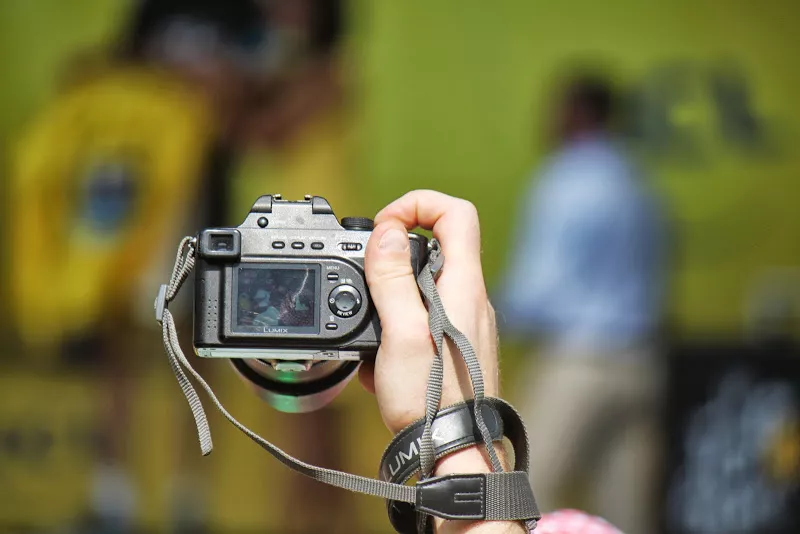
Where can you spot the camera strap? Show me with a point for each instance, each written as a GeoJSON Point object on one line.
{"type": "Point", "coordinates": [453, 429]}
{"type": "Point", "coordinates": [495, 496]}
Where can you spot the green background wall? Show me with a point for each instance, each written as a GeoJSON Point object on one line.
{"type": "Point", "coordinates": [452, 95]}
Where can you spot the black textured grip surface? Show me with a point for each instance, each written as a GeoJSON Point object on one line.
{"type": "Point", "coordinates": [452, 429]}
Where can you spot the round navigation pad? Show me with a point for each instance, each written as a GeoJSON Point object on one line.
{"type": "Point", "coordinates": [344, 300]}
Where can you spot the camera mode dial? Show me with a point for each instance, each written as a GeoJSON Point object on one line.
{"type": "Point", "coordinates": [357, 223]}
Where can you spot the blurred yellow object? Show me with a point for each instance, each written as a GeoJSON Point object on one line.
{"type": "Point", "coordinates": [317, 162]}
{"type": "Point", "coordinates": [97, 181]}
{"type": "Point", "coordinates": [783, 456]}
{"type": "Point", "coordinates": [48, 439]}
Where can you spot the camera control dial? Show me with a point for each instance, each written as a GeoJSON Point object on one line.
{"type": "Point", "coordinates": [357, 223]}
{"type": "Point", "coordinates": [344, 300]}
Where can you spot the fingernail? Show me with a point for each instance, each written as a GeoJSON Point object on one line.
{"type": "Point", "coordinates": [394, 240]}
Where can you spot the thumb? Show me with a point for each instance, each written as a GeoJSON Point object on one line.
{"type": "Point", "coordinates": [392, 285]}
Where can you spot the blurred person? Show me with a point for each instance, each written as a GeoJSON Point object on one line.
{"type": "Point", "coordinates": [135, 147]}
{"type": "Point", "coordinates": [297, 141]}
{"type": "Point", "coordinates": [289, 136]}
{"type": "Point", "coordinates": [297, 133]}
{"type": "Point", "coordinates": [587, 279]}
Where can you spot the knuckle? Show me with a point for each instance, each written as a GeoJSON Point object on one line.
{"type": "Point", "coordinates": [411, 330]}
{"type": "Point", "coordinates": [467, 209]}
{"type": "Point", "coordinates": [388, 271]}
{"type": "Point", "coordinates": [467, 214]}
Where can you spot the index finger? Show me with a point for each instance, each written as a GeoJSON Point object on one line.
{"type": "Point", "coordinates": [454, 223]}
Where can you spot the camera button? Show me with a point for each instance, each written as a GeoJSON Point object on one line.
{"type": "Point", "coordinates": [344, 300]}
{"type": "Point", "coordinates": [331, 326]}
{"type": "Point", "coordinates": [333, 277]}
{"type": "Point", "coordinates": [278, 245]}
{"type": "Point", "coordinates": [351, 246]}
{"type": "Point", "coordinates": [298, 245]}
{"type": "Point", "coordinates": [317, 245]}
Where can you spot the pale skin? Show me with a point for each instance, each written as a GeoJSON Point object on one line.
{"type": "Point", "coordinates": [400, 374]}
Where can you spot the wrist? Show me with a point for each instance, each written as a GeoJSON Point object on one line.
{"type": "Point", "coordinates": [473, 460]}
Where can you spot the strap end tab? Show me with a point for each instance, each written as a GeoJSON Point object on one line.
{"type": "Point", "coordinates": [161, 302]}
{"type": "Point", "coordinates": [453, 496]}
{"type": "Point", "coordinates": [490, 497]}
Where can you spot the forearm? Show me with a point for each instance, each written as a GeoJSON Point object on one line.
{"type": "Point", "coordinates": [473, 460]}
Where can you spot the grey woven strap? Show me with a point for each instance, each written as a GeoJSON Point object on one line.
{"type": "Point", "coordinates": [439, 496]}
{"type": "Point", "coordinates": [509, 495]}
{"type": "Point", "coordinates": [441, 326]}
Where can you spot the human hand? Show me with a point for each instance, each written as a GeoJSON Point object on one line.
{"type": "Point", "coordinates": [399, 376]}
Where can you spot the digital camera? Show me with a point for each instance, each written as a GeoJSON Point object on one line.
{"type": "Point", "coordinates": [283, 296]}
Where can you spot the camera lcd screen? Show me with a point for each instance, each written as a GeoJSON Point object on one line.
{"type": "Point", "coordinates": [270, 297]}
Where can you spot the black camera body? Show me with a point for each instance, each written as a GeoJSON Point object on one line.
{"type": "Point", "coordinates": [284, 293]}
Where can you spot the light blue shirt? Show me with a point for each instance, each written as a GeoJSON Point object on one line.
{"type": "Point", "coordinates": [588, 267]}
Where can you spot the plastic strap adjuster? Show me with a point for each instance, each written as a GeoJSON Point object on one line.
{"type": "Point", "coordinates": [161, 302]}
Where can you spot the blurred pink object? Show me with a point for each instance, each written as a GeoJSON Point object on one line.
{"type": "Point", "coordinates": [574, 522]}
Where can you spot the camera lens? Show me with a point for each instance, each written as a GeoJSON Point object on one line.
{"type": "Point", "coordinates": [303, 386]}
